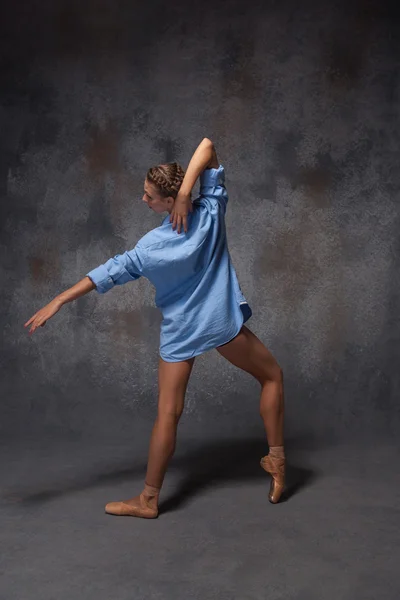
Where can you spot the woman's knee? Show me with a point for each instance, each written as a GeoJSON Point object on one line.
{"type": "Point", "coordinates": [170, 412]}
{"type": "Point", "coordinates": [271, 373]}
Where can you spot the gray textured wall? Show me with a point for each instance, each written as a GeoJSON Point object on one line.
{"type": "Point", "coordinates": [303, 106]}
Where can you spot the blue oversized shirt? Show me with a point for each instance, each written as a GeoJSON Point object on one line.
{"type": "Point", "coordinates": [197, 289]}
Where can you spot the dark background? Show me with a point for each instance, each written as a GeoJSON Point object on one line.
{"type": "Point", "coordinates": [302, 103]}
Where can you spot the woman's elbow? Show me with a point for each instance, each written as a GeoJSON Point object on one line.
{"type": "Point", "coordinates": [208, 142]}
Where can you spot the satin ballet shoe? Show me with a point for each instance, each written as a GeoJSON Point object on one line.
{"type": "Point", "coordinates": [141, 508]}
{"type": "Point", "coordinates": [276, 468]}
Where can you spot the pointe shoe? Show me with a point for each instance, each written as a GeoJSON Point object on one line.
{"type": "Point", "coordinates": [276, 468]}
{"type": "Point", "coordinates": [140, 509]}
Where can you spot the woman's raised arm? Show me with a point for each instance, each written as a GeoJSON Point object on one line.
{"type": "Point", "coordinates": [203, 157]}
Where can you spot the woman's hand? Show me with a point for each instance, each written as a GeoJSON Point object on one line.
{"type": "Point", "coordinates": [44, 314]}
{"type": "Point", "coordinates": [182, 207]}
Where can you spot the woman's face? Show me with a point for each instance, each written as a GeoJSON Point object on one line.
{"type": "Point", "coordinates": [155, 201]}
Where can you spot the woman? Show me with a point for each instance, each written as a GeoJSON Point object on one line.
{"type": "Point", "coordinates": [202, 305]}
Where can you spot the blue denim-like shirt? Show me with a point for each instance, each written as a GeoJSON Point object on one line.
{"type": "Point", "coordinates": [197, 289]}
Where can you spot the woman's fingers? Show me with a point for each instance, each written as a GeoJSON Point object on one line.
{"type": "Point", "coordinates": [38, 323]}
{"type": "Point", "coordinates": [43, 315]}
{"type": "Point", "coordinates": [30, 320]}
{"type": "Point", "coordinates": [39, 319]}
{"type": "Point", "coordinates": [33, 326]}
{"type": "Point", "coordinates": [180, 220]}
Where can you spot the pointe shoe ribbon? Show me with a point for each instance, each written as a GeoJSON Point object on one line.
{"type": "Point", "coordinates": [276, 468]}
{"type": "Point", "coordinates": [139, 509]}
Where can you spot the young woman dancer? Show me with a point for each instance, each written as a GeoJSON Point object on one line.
{"type": "Point", "coordinates": [202, 306]}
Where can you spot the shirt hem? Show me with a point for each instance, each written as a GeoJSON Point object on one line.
{"type": "Point", "coordinates": [194, 354]}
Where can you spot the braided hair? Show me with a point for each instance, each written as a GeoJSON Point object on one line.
{"type": "Point", "coordinates": [167, 178]}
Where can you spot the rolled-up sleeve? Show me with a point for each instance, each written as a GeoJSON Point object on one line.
{"type": "Point", "coordinates": [118, 270]}
{"type": "Point", "coordinates": [212, 185]}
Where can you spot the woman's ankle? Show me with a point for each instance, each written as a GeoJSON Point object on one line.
{"type": "Point", "coordinates": [151, 493]}
{"type": "Point", "coordinates": [277, 451]}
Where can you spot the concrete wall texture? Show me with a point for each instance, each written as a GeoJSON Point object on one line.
{"type": "Point", "coordinates": [302, 103]}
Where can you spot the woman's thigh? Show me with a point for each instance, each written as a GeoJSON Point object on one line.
{"type": "Point", "coordinates": [173, 378]}
{"type": "Point", "coordinates": [247, 352]}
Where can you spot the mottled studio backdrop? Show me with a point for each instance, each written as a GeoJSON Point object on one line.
{"type": "Point", "coordinates": [302, 102]}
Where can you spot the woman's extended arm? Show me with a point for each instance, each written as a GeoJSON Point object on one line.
{"type": "Point", "coordinates": [81, 288]}
{"type": "Point", "coordinates": [203, 157]}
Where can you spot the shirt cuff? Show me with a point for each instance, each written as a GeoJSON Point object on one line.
{"type": "Point", "coordinates": [212, 177]}
{"type": "Point", "coordinates": [101, 279]}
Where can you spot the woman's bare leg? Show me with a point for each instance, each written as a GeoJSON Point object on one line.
{"type": "Point", "coordinates": [247, 352]}
{"type": "Point", "coordinates": [172, 383]}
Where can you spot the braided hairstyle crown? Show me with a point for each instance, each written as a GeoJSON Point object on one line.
{"type": "Point", "coordinates": [167, 178]}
